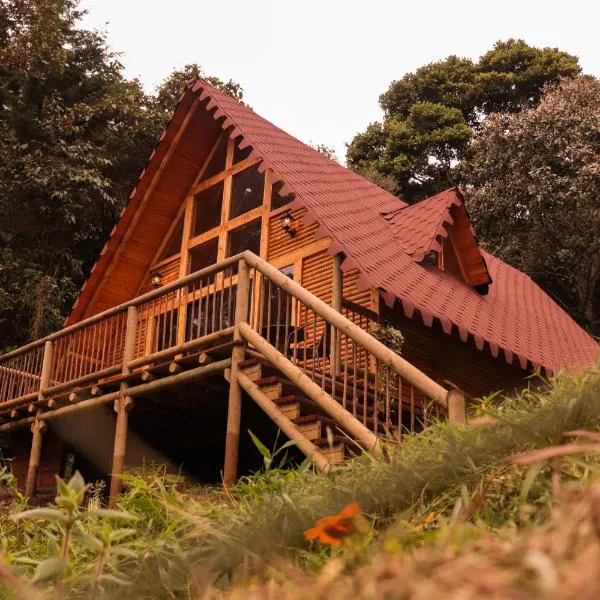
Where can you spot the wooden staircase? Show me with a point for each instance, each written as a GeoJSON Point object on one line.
{"type": "Point", "coordinates": [334, 443]}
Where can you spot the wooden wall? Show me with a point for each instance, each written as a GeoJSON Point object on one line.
{"type": "Point", "coordinates": [446, 358]}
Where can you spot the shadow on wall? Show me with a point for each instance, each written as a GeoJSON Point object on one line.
{"type": "Point", "coordinates": [91, 434]}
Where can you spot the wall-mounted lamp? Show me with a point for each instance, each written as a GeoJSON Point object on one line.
{"type": "Point", "coordinates": [287, 223]}
{"type": "Point", "coordinates": [431, 258]}
{"type": "Point", "coordinates": [156, 279]}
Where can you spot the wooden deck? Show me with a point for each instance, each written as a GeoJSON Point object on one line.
{"type": "Point", "coordinates": [207, 324]}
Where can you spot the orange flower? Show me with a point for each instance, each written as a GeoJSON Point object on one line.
{"type": "Point", "coordinates": [332, 530]}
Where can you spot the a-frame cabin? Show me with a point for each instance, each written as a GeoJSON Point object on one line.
{"type": "Point", "coordinates": [239, 290]}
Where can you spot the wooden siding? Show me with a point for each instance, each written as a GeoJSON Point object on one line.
{"type": "Point", "coordinates": [169, 271]}
{"type": "Point", "coordinates": [282, 243]}
{"type": "Point", "coordinates": [448, 360]}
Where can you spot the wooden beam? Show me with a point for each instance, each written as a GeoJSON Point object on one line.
{"type": "Point", "coordinates": [337, 294]}
{"type": "Point", "coordinates": [457, 407]}
{"type": "Point", "coordinates": [138, 390]}
{"type": "Point", "coordinates": [181, 348]}
{"type": "Point", "coordinates": [122, 407]}
{"type": "Point", "coordinates": [234, 410]}
{"type": "Point", "coordinates": [286, 426]}
{"type": "Point", "coordinates": [37, 428]}
{"type": "Point", "coordinates": [237, 168]}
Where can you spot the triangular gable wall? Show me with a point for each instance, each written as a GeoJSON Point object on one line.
{"type": "Point", "coordinates": [152, 207]}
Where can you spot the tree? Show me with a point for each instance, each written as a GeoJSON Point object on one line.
{"type": "Point", "coordinates": [170, 90]}
{"type": "Point", "coordinates": [325, 151]}
{"type": "Point", "coordinates": [534, 193]}
{"type": "Point", "coordinates": [431, 115]}
{"type": "Point", "coordinates": [74, 136]}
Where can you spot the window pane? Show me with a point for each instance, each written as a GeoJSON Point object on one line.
{"type": "Point", "coordinates": [217, 162]}
{"type": "Point", "coordinates": [246, 237]}
{"type": "Point", "coordinates": [204, 255]}
{"type": "Point", "coordinates": [247, 191]}
{"type": "Point", "coordinates": [277, 200]}
{"type": "Point", "coordinates": [207, 212]}
{"type": "Point", "coordinates": [280, 310]}
{"type": "Point", "coordinates": [240, 155]}
{"type": "Point", "coordinates": [174, 245]}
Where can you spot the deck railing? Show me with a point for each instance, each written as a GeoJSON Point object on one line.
{"type": "Point", "coordinates": [170, 319]}
{"type": "Point", "coordinates": [382, 391]}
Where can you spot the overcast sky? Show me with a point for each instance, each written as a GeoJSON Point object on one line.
{"type": "Point", "coordinates": [317, 67]}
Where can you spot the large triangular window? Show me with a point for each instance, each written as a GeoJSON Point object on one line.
{"type": "Point", "coordinates": [173, 246]}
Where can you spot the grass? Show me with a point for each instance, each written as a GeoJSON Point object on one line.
{"type": "Point", "coordinates": [434, 500]}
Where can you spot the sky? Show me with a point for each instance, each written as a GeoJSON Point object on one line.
{"type": "Point", "coordinates": [316, 68]}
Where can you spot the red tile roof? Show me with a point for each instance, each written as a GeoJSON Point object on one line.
{"type": "Point", "coordinates": [516, 316]}
{"type": "Point", "coordinates": [420, 227]}
{"type": "Point", "coordinates": [426, 221]}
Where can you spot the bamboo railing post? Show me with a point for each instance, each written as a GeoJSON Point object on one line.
{"type": "Point", "coordinates": [38, 426]}
{"type": "Point", "coordinates": [122, 406]}
{"type": "Point", "coordinates": [234, 411]}
{"type": "Point", "coordinates": [457, 408]}
{"type": "Point", "coordinates": [337, 293]}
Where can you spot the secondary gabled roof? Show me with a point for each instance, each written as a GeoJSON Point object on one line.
{"type": "Point", "coordinates": [516, 316]}
{"type": "Point", "coordinates": [425, 222]}
{"type": "Point", "coordinates": [421, 227]}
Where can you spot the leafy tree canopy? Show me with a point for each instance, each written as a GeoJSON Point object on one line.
{"type": "Point", "coordinates": [74, 136]}
{"type": "Point", "coordinates": [534, 193]}
{"type": "Point", "coordinates": [430, 116]}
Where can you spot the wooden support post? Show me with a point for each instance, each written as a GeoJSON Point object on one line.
{"type": "Point", "coordinates": [337, 293]}
{"type": "Point", "coordinates": [122, 406]}
{"type": "Point", "coordinates": [38, 426]}
{"type": "Point", "coordinates": [234, 412]}
{"type": "Point", "coordinates": [457, 409]}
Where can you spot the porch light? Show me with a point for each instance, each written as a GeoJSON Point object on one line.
{"type": "Point", "coordinates": [431, 258]}
{"type": "Point", "coordinates": [156, 279]}
{"type": "Point", "coordinates": [287, 223]}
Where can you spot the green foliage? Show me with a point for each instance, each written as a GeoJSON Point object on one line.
{"type": "Point", "coordinates": [74, 136]}
{"type": "Point", "coordinates": [389, 336]}
{"type": "Point", "coordinates": [445, 487]}
{"type": "Point", "coordinates": [534, 182]}
{"type": "Point", "coordinates": [436, 481]}
{"type": "Point", "coordinates": [431, 115]}
{"type": "Point", "coordinates": [73, 535]}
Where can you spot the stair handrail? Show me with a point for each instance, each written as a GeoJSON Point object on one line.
{"type": "Point", "coordinates": [388, 357]}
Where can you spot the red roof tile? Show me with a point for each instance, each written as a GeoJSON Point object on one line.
{"type": "Point", "coordinates": [418, 226]}
{"type": "Point", "coordinates": [515, 316]}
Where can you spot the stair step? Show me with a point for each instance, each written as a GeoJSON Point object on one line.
{"type": "Point", "coordinates": [271, 390]}
{"type": "Point", "coordinates": [314, 427]}
{"type": "Point", "coordinates": [334, 449]}
{"type": "Point", "coordinates": [253, 371]}
{"type": "Point", "coordinates": [289, 406]}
